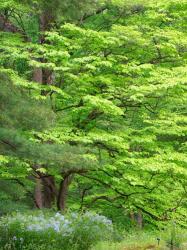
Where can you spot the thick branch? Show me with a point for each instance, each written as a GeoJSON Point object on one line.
{"type": "Point", "coordinates": [85, 16]}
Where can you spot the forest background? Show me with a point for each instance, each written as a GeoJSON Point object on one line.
{"type": "Point", "coordinates": [93, 109]}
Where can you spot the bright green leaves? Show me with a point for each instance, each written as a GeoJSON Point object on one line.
{"type": "Point", "coordinates": [13, 167]}
{"type": "Point", "coordinates": [3, 159]}
{"type": "Point", "coordinates": [105, 106]}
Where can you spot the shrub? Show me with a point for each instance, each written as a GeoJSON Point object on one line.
{"type": "Point", "coordinates": [52, 232]}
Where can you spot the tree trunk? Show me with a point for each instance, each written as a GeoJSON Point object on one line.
{"type": "Point", "coordinates": [140, 219]}
{"type": "Point", "coordinates": [136, 219]}
{"type": "Point", "coordinates": [63, 191]}
{"type": "Point", "coordinates": [37, 75]}
{"type": "Point", "coordinates": [132, 218]}
{"type": "Point", "coordinates": [46, 189]}
{"type": "Point", "coordinates": [49, 191]}
{"type": "Point", "coordinates": [38, 193]}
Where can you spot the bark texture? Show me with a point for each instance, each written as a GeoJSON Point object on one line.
{"type": "Point", "coordinates": [38, 193]}
{"type": "Point", "coordinates": [63, 191]}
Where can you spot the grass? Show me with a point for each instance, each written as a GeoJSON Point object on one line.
{"type": "Point", "coordinates": [144, 241]}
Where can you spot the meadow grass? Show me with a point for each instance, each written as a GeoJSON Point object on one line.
{"type": "Point", "coordinates": [141, 240]}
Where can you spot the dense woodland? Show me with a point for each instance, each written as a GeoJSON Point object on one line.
{"type": "Point", "coordinates": [93, 106]}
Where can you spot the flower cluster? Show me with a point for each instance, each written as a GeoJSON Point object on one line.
{"type": "Point", "coordinates": [97, 218]}
{"type": "Point", "coordinates": [82, 229]}
{"type": "Point", "coordinates": [58, 223]}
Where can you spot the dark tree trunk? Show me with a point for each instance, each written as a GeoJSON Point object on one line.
{"type": "Point", "coordinates": [140, 219]}
{"type": "Point", "coordinates": [46, 189]}
{"type": "Point", "coordinates": [38, 193]}
{"type": "Point", "coordinates": [63, 191]}
{"type": "Point", "coordinates": [37, 75]}
{"type": "Point", "coordinates": [46, 21]}
{"type": "Point", "coordinates": [136, 219]}
{"type": "Point", "coordinates": [49, 191]}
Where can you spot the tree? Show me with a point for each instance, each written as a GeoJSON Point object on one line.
{"type": "Point", "coordinates": [44, 16]}
{"type": "Point", "coordinates": [127, 82]}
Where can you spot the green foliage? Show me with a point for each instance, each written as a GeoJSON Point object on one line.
{"type": "Point", "coordinates": [27, 116]}
{"type": "Point", "coordinates": [118, 95]}
{"type": "Point", "coordinates": [13, 197]}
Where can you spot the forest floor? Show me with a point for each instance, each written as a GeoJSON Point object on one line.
{"type": "Point", "coordinates": [141, 242]}
{"type": "Point", "coordinates": [142, 247]}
